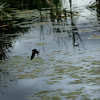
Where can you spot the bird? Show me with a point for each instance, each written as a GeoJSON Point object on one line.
{"type": "Point", "coordinates": [33, 53]}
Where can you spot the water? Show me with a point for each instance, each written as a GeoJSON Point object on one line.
{"type": "Point", "coordinates": [68, 66]}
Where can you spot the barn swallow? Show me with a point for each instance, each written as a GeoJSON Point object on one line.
{"type": "Point", "coordinates": [33, 53]}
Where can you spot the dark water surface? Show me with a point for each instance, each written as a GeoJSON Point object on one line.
{"type": "Point", "coordinates": [68, 67]}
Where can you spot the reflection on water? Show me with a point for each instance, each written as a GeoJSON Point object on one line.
{"type": "Point", "coordinates": [7, 40]}
{"type": "Point", "coordinates": [68, 40]}
{"type": "Point", "coordinates": [64, 24]}
{"type": "Point", "coordinates": [98, 7]}
{"type": "Point", "coordinates": [4, 46]}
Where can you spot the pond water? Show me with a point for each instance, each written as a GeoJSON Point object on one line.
{"type": "Point", "coordinates": [68, 66]}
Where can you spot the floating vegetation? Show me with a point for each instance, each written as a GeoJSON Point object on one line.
{"type": "Point", "coordinates": [57, 51]}
{"type": "Point", "coordinates": [32, 76]}
{"type": "Point", "coordinates": [46, 95]}
{"type": "Point", "coordinates": [85, 60]}
{"type": "Point", "coordinates": [67, 61]}
{"type": "Point", "coordinates": [58, 66]}
{"type": "Point", "coordinates": [40, 44]}
{"type": "Point", "coordinates": [72, 93]}
{"type": "Point", "coordinates": [60, 61]}
{"type": "Point", "coordinates": [17, 57]}
{"type": "Point", "coordinates": [95, 71]}
{"type": "Point", "coordinates": [52, 82]}
{"type": "Point", "coordinates": [77, 82]}
{"type": "Point", "coordinates": [75, 76]}
{"type": "Point", "coordinates": [51, 59]}
{"type": "Point", "coordinates": [7, 85]}
{"type": "Point", "coordinates": [56, 78]}
{"type": "Point", "coordinates": [96, 63]}
{"type": "Point", "coordinates": [96, 37]}
{"type": "Point", "coordinates": [94, 81]}
{"type": "Point", "coordinates": [74, 67]}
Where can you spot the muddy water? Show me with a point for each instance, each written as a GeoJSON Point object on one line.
{"type": "Point", "coordinates": [68, 66]}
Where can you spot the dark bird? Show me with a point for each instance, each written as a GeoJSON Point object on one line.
{"type": "Point", "coordinates": [33, 53]}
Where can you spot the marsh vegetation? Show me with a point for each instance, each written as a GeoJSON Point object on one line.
{"type": "Point", "coordinates": [67, 35]}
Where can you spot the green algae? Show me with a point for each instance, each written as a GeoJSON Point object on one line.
{"type": "Point", "coordinates": [56, 98]}
{"type": "Point", "coordinates": [71, 93]}
{"type": "Point", "coordinates": [45, 97]}
{"type": "Point", "coordinates": [94, 71]}
{"type": "Point", "coordinates": [42, 92]}
{"type": "Point", "coordinates": [53, 74]}
{"type": "Point", "coordinates": [94, 81]}
{"type": "Point", "coordinates": [77, 82]}
{"type": "Point", "coordinates": [51, 59]}
{"type": "Point", "coordinates": [60, 71]}
{"type": "Point", "coordinates": [26, 76]}
{"type": "Point", "coordinates": [56, 78]}
{"type": "Point", "coordinates": [96, 37]}
{"type": "Point", "coordinates": [40, 44]}
{"type": "Point", "coordinates": [58, 66]}
{"type": "Point", "coordinates": [96, 63]}
{"type": "Point", "coordinates": [8, 85]}
{"type": "Point", "coordinates": [52, 82]}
